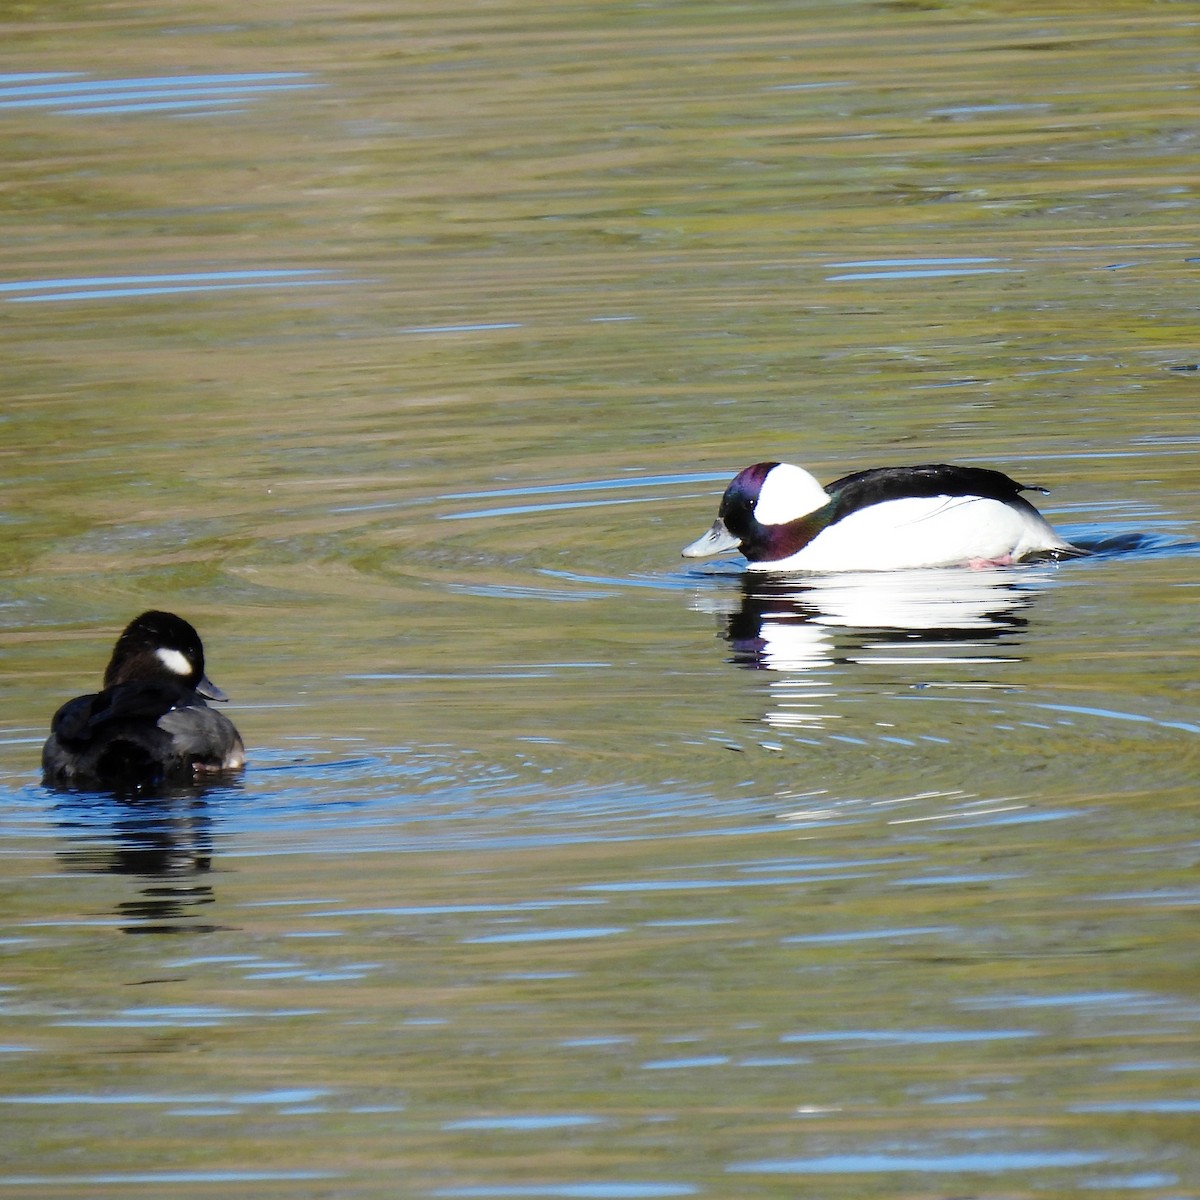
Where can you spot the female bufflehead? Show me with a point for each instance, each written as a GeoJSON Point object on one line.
{"type": "Point", "coordinates": [150, 724]}
{"type": "Point", "coordinates": [883, 519]}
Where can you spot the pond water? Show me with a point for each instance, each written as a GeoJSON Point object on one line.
{"type": "Point", "coordinates": [401, 348]}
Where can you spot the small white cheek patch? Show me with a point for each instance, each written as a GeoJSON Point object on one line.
{"type": "Point", "coordinates": [174, 660]}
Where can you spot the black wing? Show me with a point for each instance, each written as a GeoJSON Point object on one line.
{"type": "Point", "coordinates": [879, 484]}
{"type": "Point", "coordinates": [87, 717]}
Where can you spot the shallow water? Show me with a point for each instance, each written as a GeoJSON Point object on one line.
{"type": "Point", "coordinates": [401, 348]}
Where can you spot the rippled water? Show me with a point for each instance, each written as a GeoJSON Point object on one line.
{"type": "Point", "coordinates": [401, 349]}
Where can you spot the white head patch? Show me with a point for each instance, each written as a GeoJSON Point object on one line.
{"type": "Point", "coordinates": [788, 492]}
{"type": "Point", "coordinates": [174, 660]}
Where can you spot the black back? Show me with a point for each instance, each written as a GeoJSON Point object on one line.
{"type": "Point", "coordinates": [878, 484]}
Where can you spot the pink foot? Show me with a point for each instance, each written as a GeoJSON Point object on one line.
{"type": "Point", "coordinates": [981, 564]}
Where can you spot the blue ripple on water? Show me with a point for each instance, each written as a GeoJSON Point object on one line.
{"type": "Point", "coordinates": [72, 94]}
{"type": "Point", "coordinates": [576, 1191]}
{"type": "Point", "coordinates": [916, 268]}
{"type": "Point", "coordinates": [233, 1099]}
{"type": "Point", "coordinates": [591, 485]}
{"type": "Point", "coordinates": [1189, 1106]}
{"type": "Point", "coordinates": [1117, 715]}
{"type": "Point", "coordinates": [523, 1124]}
{"type": "Point", "coordinates": [868, 935]}
{"type": "Point", "coordinates": [683, 1064]}
{"type": "Point", "coordinates": [104, 287]}
{"type": "Point", "coordinates": [641, 482]}
{"type": "Point", "coordinates": [861, 1164]}
{"type": "Point", "coordinates": [910, 1037]}
{"type": "Point", "coordinates": [170, 1177]}
{"type": "Point", "coordinates": [545, 935]}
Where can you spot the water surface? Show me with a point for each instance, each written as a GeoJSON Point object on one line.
{"type": "Point", "coordinates": [401, 349]}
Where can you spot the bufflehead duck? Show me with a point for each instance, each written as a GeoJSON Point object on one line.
{"type": "Point", "coordinates": [882, 519]}
{"type": "Point", "coordinates": [150, 724]}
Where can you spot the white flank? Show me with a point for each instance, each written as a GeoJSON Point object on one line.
{"type": "Point", "coordinates": [934, 531]}
{"type": "Point", "coordinates": [174, 660]}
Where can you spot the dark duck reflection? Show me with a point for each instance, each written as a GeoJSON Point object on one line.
{"type": "Point", "coordinates": [150, 725]}
{"type": "Point", "coordinates": [165, 843]}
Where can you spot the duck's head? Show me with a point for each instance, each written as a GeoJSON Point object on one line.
{"type": "Point", "coordinates": [758, 513]}
{"type": "Point", "coordinates": [159, 647]}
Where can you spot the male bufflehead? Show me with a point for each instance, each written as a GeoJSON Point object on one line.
{"type": "Point", "coordinates": [882, 519]}
{"type": "Point", "coordinates": [150, 724]}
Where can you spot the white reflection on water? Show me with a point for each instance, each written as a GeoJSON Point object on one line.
{"type": "Point", "coordinates": [473, 328]}
{"type": "Point", "coordinates": [784, 624]}
{"type": "Point", "coordinates": [803, 629]}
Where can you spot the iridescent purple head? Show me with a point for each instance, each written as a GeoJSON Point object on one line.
{"type": "Point", "coordinates": [759, 511]}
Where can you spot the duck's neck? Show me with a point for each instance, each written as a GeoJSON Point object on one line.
{"type": "Point", "coordinates": [771, 543]}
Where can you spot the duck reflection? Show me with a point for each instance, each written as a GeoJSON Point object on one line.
{"type": "Point", "coordinates": [806, 628]}
{"type": "Point", "coordinates": [785, 624]}
{"type": "Point", "coordinates": [164, 841]}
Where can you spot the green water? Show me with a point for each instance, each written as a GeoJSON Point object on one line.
{"type": "Point", "coordinates": [401, 348]}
